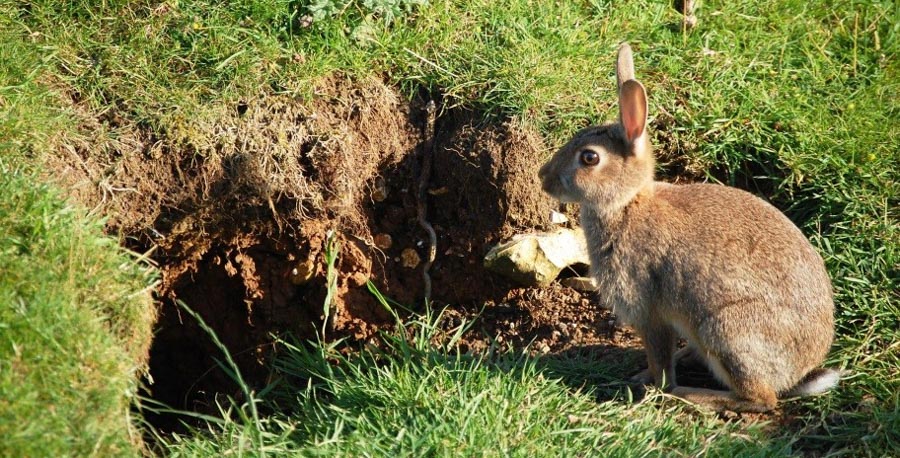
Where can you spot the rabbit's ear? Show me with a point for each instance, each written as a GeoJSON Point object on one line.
{"type": "Point", "coordinates": [633, 109]}
{"type": "Point", "coordinates": [624, 66]}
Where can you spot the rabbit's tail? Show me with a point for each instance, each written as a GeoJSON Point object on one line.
{"type": "Point", "coordinates": [817, 381]}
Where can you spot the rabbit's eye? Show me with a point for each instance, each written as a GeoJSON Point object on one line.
{"type": "Point", "coordinates": [589, 158]}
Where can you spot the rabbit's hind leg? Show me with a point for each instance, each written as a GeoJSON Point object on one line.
{"type": "Point", "coordinates": [720, 400]}
{"type": "Point", "coordinates": [748, 394]}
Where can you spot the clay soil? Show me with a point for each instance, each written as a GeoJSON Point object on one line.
{"type": "Point", "coordinates": [236, 209]}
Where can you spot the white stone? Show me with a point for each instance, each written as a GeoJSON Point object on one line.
{"type": "Point", "coordinates": [537, 259]}
{"type": "Point", "coordinates": [558, 218]}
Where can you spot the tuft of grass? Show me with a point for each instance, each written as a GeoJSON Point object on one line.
{"type": "Point", "coordinates": [332, 252]}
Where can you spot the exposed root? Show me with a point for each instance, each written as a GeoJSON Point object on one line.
{"type": "Point", "coordinates": [422, 205]}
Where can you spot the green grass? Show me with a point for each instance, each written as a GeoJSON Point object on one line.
{"type": "Point", "coordinates": [412, 398]}
{"type": "Point", "coordinates": [75, 320]}
{"type": "Point", "coordinates": [796, 100]}
{"type": "Point", "coordinates": [75, 311]}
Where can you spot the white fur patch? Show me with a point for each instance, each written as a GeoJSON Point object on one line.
{"type": "Point", "coordinates": [824, 382]}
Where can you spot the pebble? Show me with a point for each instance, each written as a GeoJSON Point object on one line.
{"type": "Point", "coordinates": [409, 258]}
{"type": "Point", "coordinates": [558, 218]}
{"type": "Point", "coordinates": [581, 284]}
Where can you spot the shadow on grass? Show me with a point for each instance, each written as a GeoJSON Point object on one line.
{"type": "Point", "coordinates": [603, 368]}
{"type": "Point", "coordinates": [601, 371]}
{"type": "Point", "coordinates": [607, 369]}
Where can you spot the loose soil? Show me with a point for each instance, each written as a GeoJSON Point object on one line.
{"type": "Point", "coordinates": [236, 205]}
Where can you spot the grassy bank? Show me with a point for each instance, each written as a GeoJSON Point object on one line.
{"type": "Point", "coordinates": [75, 311]}
{"type": "Point", "coordinates": [791, 99]}
{"type": "Point", "coordinates": [75, 317]}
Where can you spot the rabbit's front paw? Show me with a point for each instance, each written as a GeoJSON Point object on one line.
{"type": "Point", "coordinates": [643, 378]}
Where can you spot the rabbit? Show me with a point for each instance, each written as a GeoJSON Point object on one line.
{"type": "Point", "coordinates": [709, 263]}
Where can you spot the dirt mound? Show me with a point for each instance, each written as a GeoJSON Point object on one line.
{"type": "Point", "coordinates": [236, 204]}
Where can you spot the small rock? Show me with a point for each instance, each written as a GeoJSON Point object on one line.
{"type": "Point", "coordinates": [409, 258]}
{"type": "Point", "coordinates": [537, 259]}
{"type": "Point", "coordinates": [383, 241]}
{"type": "Point", "coordinates": [690, 21]}
{"type": "Point", "coordinates": [687, 9]}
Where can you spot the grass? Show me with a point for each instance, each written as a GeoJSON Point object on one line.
{"type": "Point", "coordinates": [75, 320]}
{"type": "Point", "coordinates": [795, 100]}
{"type": "Point", "coordinates": [413, 398]}
{"type": "Point", "coordinates": [75, 311]}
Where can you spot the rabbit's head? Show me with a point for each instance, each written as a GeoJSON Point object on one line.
{"type": "Point", "coordinates": [604, 167]}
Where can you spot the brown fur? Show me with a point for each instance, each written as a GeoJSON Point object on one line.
{"type": "Point", "coordinates": [709, 263]}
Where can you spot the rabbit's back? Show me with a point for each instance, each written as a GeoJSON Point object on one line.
{"type": "Point", "coordinates": [735, 244]}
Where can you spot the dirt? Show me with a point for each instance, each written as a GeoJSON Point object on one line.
{"type": "Point", "coordinates": [235, 206]}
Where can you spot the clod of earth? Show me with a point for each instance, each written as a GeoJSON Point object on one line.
{"type": "Point", "coordinates": [409, 258]}
{"type": "Point", "coordinates": [537, 259]}
{"type": "Point", "coordinates": [383, 241]}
